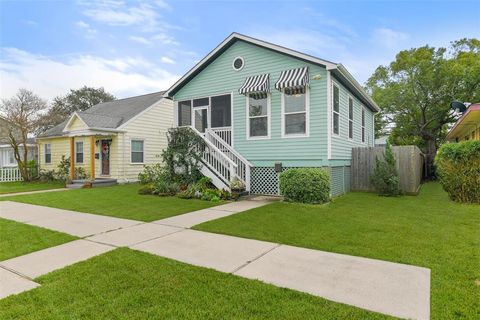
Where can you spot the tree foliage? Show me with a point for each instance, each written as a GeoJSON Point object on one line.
{"type": "Point", "coordinates": [415, 90]}
{"type": "Point", "coordinates": [21, 114]}
{"type": "Point", "coordinates": [183, 154]}
{"type": "Point", "coordinates": [385, 175]}
{"type": "Point", "coordinates": [77, 100]}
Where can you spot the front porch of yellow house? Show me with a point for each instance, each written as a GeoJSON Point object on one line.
{"type": "Point", "coordinates": [96, 160]}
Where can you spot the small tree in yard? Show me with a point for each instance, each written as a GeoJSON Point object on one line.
{"type": "Point", "coordinates": [385, 176]}
{"type": "Point", "coordinates": [182, 155]}
{"type": "Point", "coordinates": [21, 113]}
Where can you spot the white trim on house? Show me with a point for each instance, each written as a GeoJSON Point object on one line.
{"type": "Point", "coordinates": [373, 130]}
{"type": "Point", "coordinates": [76, 151]}
{"type": "Point", "coordinates": [352, 120]}
{"type": "Point", "coordinates": [334, 84]}
{"type": "Point", "coordinates": [269, 118]}
{"type": "Point", "coordinates": [143, 151]}
{"type": "Point", "coordinates": [69, 122]}
{"type": "Point", "coordinates": [329, 112]}
{"type": "Point", "coordinates": [233, 63]}
{"type": "Point", "coordinates": [307, 116]}
{"type": "Point", "coordinates": [330, 66]}
{"type": "Point", "coordinates": [363, 121]}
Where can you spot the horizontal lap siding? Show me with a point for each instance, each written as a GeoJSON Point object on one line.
{"type": "Point", "coordinates": [151, 127]}
{"type": "Point", "coordinates": [61, 147]}
{"type": "Point", "coordinates": [219, 77]}
{"type": "Point", "coordinates": [341, 144]}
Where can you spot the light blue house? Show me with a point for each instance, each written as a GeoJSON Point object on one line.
{"type": "Point", "coordinates": [263, 108]}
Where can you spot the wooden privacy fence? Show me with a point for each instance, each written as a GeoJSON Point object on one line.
{"type": "Point", "coordinates": [8, 174]}
{"type": "Point", "coordinates": [409, 165]}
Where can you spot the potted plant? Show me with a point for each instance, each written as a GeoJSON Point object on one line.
{"type": "Point", "coordinates": [237, 187]}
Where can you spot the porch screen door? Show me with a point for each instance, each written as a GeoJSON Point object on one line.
{"type": "Point", "coordinates": [200, 118]}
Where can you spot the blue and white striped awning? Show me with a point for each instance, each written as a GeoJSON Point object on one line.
{"type": "Point", "coordinates": [293, 79]}
{"type": "Point", "coordinates": [256, 84]}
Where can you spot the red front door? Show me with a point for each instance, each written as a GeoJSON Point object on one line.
{"type": "Point", "coordinates": [105, 157]}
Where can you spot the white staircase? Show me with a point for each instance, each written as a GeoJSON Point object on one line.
{"type": "Point", "coordinates": [221, 162]}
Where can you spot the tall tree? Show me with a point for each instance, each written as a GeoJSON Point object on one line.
{"type": "Point", "coordinates": [21, 113]}
{"type": "Point", "coordinates": [416, 89]}
{"type": "Point", "coordinates": [77, 100]}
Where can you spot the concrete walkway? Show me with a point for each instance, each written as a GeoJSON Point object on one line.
{"type": "Point", "coordinates": [31, 192]}
{"type": "Point", "coordinates": [390, 288]}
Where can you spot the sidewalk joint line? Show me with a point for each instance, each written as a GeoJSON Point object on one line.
{"type": "Point", "coordinates": [256, 258]}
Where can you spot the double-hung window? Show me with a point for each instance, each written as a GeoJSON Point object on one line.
{"type": "Point", "coordinates": [79, 152]}
{"type": "Point", "coordinates": [295, 113]}
{"type": "Point", "coordinates": [48, 153]}
{"type": "Point", "coordinates": [137, 151]}
{"type": "Point", "coordinates": [363, 124]}
{"type": "Point", "coordinates": [336, 110]}
{"type": "Point", "coordinates": [258, 116]}
{"type": "Point", "coordinates": [350, 118]}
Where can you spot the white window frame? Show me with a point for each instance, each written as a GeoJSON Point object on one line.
{"type": "Point", "coordinates": [76, 151]}
{"type": "Point", "coordinates": [363, 120]}
{"type": "Point", "coordinates": [6, 158]}
{"type": "Point", "coordinates": [334, 84]}
{"type": "Point", "coordinates": [143, 150]}
{"type": "Point", "coordinates": [269, 118]}
{"type": "Point", "coordinates": [307, 116]}
{"type": "Point", "coordinates": [350, 120]}
{"type": "Point", "coordinates": [233, 63]}
{"type": "Point", "coordinates": [45, 153]}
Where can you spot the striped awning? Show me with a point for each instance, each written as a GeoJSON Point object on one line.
{"type": "Point", "coordinates": [293, 79]}
{"type": "Point", "coordinates": [256, 84]}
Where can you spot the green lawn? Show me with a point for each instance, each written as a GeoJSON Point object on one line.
{"type": "Point", "coordinates": [121, 201]}
{"type": "Point", "coordinates": [428, 230]}
{"type": "Point", "coordinates": [17, 239]}
{"type": "Point", "coordinates": [128, 284]}
{"type": "Point", "coordinates": [20, 186]}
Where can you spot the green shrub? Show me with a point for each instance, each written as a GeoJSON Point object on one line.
{"type": "Point", "coordinates": [147, 189]}
{"type": "Point", "coordinates": [385, 177]}
{"type": "Point", "coordinates": [46, 175]}
{"type": "Point", "coordinates": [152, 174]}
{"type": "Point", "coordinates": [458, 168]}
{"type": "Point", "coordinates": [211, 195]}
{"type": "Point", "coordinates": [166, 188]}
{"type": "Point", "coordinates": [307, 185]}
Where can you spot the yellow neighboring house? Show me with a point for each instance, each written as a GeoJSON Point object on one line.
{"type": "Point", "coordinates": [468, 126]}
{"type": "Point", "coordinates": [112, 139]}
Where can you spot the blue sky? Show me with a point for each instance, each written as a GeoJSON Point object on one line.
{"type": "Point", "coordinates": [136, 47]}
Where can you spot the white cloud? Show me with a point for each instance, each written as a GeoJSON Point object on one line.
{"type": "Point", "coordinates": [164, 38]}
{"type": "Point", "coordinates": [48, 77]}
{"type": "Point", "coordinates": [118, 13]}
{"type": "Point", "coordinates": [167, 60]}
{"type": "Point", "coordinates": [140, 40]}
{"type": "Point", "coordinates": [389, 38]}
{"type": "Point", "coordinates": [85, 27]}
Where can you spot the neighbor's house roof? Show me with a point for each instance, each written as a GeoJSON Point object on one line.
{"type": "Point", "coordinates": [468, 122]}
{"type": "Point", "coordinates": [109, 115]}
{"type": "Point", "coordinates": [337, 69]}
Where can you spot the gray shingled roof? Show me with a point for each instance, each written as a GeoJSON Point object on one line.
{"type": "Point", "coordinates": [111, 114]}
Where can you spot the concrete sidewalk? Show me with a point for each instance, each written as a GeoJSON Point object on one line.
{"type": "Point", "coordinates": [390, 288]}
{"type": "Point", "coordinates": [31, 192]}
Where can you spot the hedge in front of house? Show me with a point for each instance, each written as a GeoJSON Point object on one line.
{"type": "Point", "coordinates": [307, 185]}
{"type": "Point", "coordinates": [458, 168]}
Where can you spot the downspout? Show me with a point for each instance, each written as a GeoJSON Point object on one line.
{"type": "Point", "coordinates": [123, 158]}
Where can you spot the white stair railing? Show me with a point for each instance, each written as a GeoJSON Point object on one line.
{"type": "Point", "coordinates": [242, 165]}
{"type": "Point", "coordinates": [218, 162]}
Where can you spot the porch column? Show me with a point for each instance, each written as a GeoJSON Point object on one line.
{"type": "Point", "coordinates": [92, 158]}
{"type": "Point", "coordinates": [72, 158]}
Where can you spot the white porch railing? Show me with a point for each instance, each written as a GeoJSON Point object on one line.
{"type": "Point", "coordinates": [225, 133]}
{"type": "Point", "coordinates": [9, 174]}
{"type": "Point", "coordinates": [219, 163]}
{"type": "Point", "coordinates": [242, 165]}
